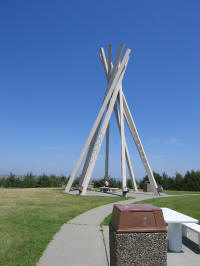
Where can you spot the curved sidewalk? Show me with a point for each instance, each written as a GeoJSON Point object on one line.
{"type": "Point", "coordinates": [80, 242]}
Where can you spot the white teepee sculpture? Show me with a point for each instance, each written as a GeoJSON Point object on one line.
{"type": "Point", "coordinates": [114, 75]}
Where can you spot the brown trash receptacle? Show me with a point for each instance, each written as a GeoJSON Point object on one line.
{"type": "Point", "coordinates": [147, 187]}
{"type": "Point", "coordinates": [137, 236]}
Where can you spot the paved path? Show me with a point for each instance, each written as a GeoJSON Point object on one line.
{"type": "Point", "coordinates": [80, 242]}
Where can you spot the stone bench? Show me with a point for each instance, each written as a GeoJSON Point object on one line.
{"type": "Point", "coordinates": [114, 189]}
{"type": "Point", "coordinates": [104, 189]}
{"type": "Point", "coordinates": [192, 226]}
{"type": "Point", "coordinates": [175, 221]}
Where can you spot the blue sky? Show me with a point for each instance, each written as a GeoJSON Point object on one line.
{"type": "Point", "coordinates": [52, 82]}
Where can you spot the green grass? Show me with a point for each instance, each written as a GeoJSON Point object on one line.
{"type": "Point", "coordinates": [106, 221]}
{"type": "Point", "coordinates": [189, 205]}
{"type": "Point", "coordinates": [176, 192]}
{"type": "Point", "coordinates": [29, 218]}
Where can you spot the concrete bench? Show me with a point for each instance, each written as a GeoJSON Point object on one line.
{"type": "Point", "coordinates": [114, 189]}
{"type": "Point", "coordinates": [104, 189]}
{"type": "Point", "coordinates": [175, 221]}
{"type": "Point", "coordinates": [192, 226]}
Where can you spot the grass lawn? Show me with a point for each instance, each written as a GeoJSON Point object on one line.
{"type": "Point", "coordinates": [189, 205]}
{"type": "Point", "coordinates": [29, 218]}
{"type": "Point", "coordinates": [176, 192]}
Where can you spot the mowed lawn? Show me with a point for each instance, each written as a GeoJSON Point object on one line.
{"type": "Point", "coordinates": [189, 205]}
{"type": "Point", "coordinates": [178, 192]}
{"type": "Point", "coordinates": [29, 218]}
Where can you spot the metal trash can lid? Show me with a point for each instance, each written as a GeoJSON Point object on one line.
{"type": "Point", "coordinates": [137, 218]}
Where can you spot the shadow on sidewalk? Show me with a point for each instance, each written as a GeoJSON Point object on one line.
{"type": "Point", "coordinates": [191, 245]}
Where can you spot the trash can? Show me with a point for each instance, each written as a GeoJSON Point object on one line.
{"type": "Point", "coordinates": [137, 236]}
{"type": "Point", "coordinates": [147, 187]}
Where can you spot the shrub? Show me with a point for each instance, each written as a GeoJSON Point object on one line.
{"type": "Point", "coordinates": [31, 181]}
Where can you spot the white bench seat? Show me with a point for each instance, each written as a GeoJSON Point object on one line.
{"type": "Point", "coordinates": [175, 220]}
{"type": "Point", "coordinates": [113, 189]}
{"type": "Point", "coordinates": [192, 226]}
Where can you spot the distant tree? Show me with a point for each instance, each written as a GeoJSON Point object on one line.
{"type": "Point", "coordinates": [178, 181]}
{"type": "Point", "coordinates": [10, 180]}
{"type": "Point", "coordinates": [63, 180]}
{"type": "Point", "coordinates": [165, 181]}
{"type": "Point", "coordinates": [43, 181]}
{"type": "Point", "coordinates": [129, 184]}
{"type": "Point", "coordinates": [113, 182]}
{"type": "Point", "coordinates": [171, 183]}
{"type": "Point", "coordinates": [192, 181]}
{"type": "Point", "coordinates": [98, 182]}
{"type": "Point", "coordinates": [29, 181]}
{"type": "Point", "coordinates": [76, 182]}
{"type": "Point", "coordinates": [158, 178]}
{"type": "Point", "coordinates": [2, 182]}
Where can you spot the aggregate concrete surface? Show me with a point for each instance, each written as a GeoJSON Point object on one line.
{"type": "Point", "coordinates": [81, 241]}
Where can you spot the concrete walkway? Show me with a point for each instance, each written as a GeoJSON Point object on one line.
{"type": "Point", "coordinates": [80, 242]}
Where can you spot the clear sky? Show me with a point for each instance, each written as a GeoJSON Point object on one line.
{"type": "Point", "coordinates": [52, 82]}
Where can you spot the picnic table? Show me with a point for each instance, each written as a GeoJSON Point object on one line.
{"type": "Point", "coordinates": [174, 220]}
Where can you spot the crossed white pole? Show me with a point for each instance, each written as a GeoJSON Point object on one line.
{"type": "Point", "coordinates": [114, 75]}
